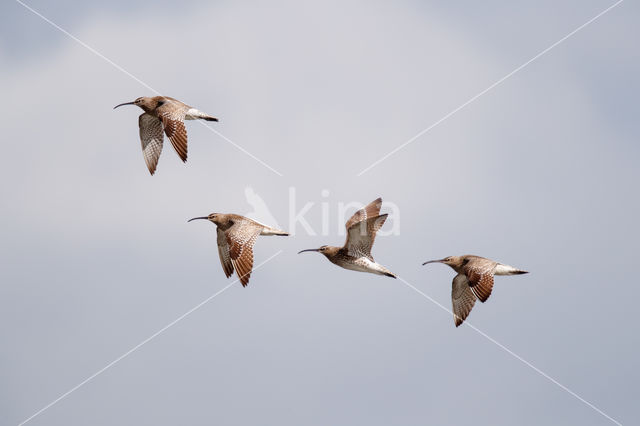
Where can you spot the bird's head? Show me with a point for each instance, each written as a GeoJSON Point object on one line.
{"type": "Point", "coordinates": [143, 102]}
{"type": "Point", "coordinates": [213, 217]}
{"type": "Point", "coordinates": [326, 250]}
{"type": "Point", "coordinates": [453, 261]}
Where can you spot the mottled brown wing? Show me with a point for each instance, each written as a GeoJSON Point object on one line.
{"type": "Point", "coordinates": [370, 210]}
{"type": "Point", "coordinates": [480, 275]}
{"type": "Point", "coordinates": [223, 251]}
{"type": "Point", "coordinates": [462, 298]}
{"type": "Point", "coordinates": [361, 235]}
{"type": "Point", "coordinates": [241, 237]}
{"type": "Point", "coordinates": [172, 114]}
{"type": "Point", "coordinates": [151, 138]}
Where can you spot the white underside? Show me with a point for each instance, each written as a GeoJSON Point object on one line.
{"type": "Point", "coordinates": [365, 265]}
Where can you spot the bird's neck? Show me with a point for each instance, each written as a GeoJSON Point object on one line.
{"type": "Point", "coordinates": [457, 268]}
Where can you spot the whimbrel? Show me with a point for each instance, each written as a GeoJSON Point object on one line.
{"type": "Point", "coordinates": [168, 114]}
{"type": "Point", "coordinates": [474, 280]}
{"type": "Point", "coordinates": [236, 236]}
{"type": "Point", "coordinates": [361, 232]}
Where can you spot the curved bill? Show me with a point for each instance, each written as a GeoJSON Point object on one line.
{"type": "Point", "coordinates": [126, 103]}
{"type": "Point", "coordinates": [432, 261]}
{"type": "Point", "coordinates": [196, 218]}
{"type": "Point", "coordinates": [302, 251]}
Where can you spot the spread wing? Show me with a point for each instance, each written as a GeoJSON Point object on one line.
{"type": "Point", "coordinates": [462, 298]}
{"type": "Point", "coordinates": [151, 138]}
{"type": "Point", "coordinates": [240, 238]}
{"type": "Point", "coordinates": [480, 274]}
{"type": "Point", "coordinates": [223, 251]}
{"type": "Point", "coordinates": [370, 210]}
{"type": "Point", "coordinates": [172, 114]}
{"type": "Point", "coordinates": [361, 235]}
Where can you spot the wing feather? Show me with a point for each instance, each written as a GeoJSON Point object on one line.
{"type": "Point", "coordinates": [480, 274]}
{"type": "Point", "coordinates": [151, 138]}
{"type": "Point", "coordinates": [370, 210]}
{"type": "Point", "coordinates": [361, 235]}
{"type": "Point", "coordinates": [172, 114]}
{"type": "Point", "coordinates": [241, 237]}
{"type": "Point", "coordinates": [223, 251]}
{"type": "Point", "coordinates": [462, 298]}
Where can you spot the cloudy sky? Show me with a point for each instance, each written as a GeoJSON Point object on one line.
{"type": "Point", "coordinates": [539, 172]}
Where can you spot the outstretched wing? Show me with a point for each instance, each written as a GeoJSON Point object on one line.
{"type": "Point", "coordinates": [172, 114]}
{"type": "Point", "coordinates": [479, 271]}
{"type": "Point", "coordinates": [462, 298]}
{"type": "Point", "coordinates": [240, 238]}
{"type": "Point", "coordinates": [151, 138]}
{"type": "Point", "coordinates": [361, 235]}
{"type": "Point", "coordinates": [223, 251]}
{"type": "Point", "coordinates": [370, 210]}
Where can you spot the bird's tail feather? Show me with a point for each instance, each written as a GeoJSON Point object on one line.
{"type": "Point", "coordinates": [384, 271]}
{"type": "Point", "coordinates": [194, 114]}
{"type": "Point", "coordinates": [273, 231]}
{"type": "Point", "coordinates": [508, 270]}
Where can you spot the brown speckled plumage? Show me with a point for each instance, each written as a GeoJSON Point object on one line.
{"type": "Point", "coordinates": [361, 233]}
{"type": "Point", "coordinates": [474, 281]}
{"type": "Point", "coordinates": [236, 236]}
{"type": "Point", "coordinates": [162, 113]}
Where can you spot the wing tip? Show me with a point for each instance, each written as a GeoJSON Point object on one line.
{"type": "Point", "coordinates": [244, 280]}
{"type": "Point", "coordinates": [458, 320]}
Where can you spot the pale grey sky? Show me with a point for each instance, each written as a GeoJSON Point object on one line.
{"type": "Point", "coordinates": [540, 172]}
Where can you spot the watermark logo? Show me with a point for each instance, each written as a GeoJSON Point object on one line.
{"type": "Point", "coordinates": [260, 211]}
{"type": "Point", "coordinates": [332, 217]}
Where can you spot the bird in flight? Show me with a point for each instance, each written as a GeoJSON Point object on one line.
{"type": "Point", "coordinates": [361, 232]}
{"type": "Point", "coordinates": [236, 236]}
{"type": "Point", "coordinates": [162, 113]}
{"type": "Point", "coordinates": [474, 281]}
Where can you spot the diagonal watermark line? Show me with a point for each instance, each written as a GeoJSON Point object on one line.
{"type": "Point", "coordinates": [85, 45]}
{"type": "Point", "coordinates": [510, 352]}
{"type": "Point", "coordinates": [241, 148]}
{"type": "Point", "coordinates": [472, 99]}
{"type": "Point", "coordinates": [138, 346]}
{"type": "Point", "coordinates": [119, 68]}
